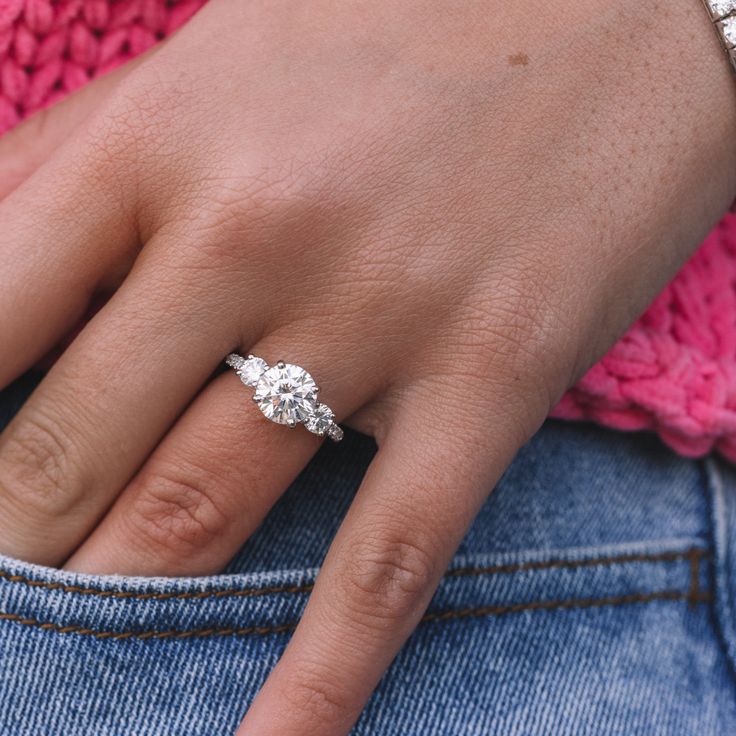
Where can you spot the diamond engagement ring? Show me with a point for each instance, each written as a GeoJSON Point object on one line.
{"type": "Point", "coordinates": [286, 394]}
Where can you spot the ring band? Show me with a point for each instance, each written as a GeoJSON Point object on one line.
{"type": "Point", "coordinates": [286, 394]}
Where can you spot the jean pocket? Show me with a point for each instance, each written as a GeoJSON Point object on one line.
{"type": "Point", "coordinates": [147, 656]}
{"type": "Point", "coordinates": [117, 607]}
{"type": "Point", "coordinates": [85, 654]}
{"type": "Point", "coordinates": [722, 486]}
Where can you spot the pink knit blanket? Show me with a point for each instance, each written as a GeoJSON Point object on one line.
{"type": "Point", "coordinates": [674, 372]}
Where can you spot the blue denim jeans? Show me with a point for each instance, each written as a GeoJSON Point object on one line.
{"type": "Point", "coordinates": [594, 594]}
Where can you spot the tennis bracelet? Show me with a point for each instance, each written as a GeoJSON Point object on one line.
{"type": "Point", "coordinates": [723, 15]}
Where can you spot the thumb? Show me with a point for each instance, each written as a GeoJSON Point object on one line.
{"type": "Point", "coordinates": [25, 148]}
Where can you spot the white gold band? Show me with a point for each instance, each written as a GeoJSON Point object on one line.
{"type": "Point", "coordinates": [723, 15]}
{"type": "Point", "coordinates": [286, 394]}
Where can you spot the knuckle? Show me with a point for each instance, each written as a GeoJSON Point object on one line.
{"type": "Point", "coordinates": [133, 147]}
{"type": "Point", "coordinates": [515, 337]}
{"type": "Point", "coordinates": [388, 576]}
{"type": "Point", "coordinates": [274, 199]}
{"type": "Point", "coordinates": [318, 697]}
{"type": "Point", "coordinates": [38, 469]}
{"type": "Point", "coordinates": [511, 326]}
{"type": "Point", "coordinates": [224, 222]}
{"type": "Point", "coordinates": [262, 203]}
{"type": "Point", "coordinates": [141, 107]}
{"type": "Point", "coordinates": [176, 511]}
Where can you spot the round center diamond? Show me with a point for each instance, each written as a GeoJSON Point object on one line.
{"type": "Point", "coordinates": [286, 395]}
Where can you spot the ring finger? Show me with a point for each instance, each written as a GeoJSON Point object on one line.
{"type": "Point", "coordinates": [211, 481]}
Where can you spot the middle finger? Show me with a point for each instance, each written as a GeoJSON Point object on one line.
{"type": "Point", "coordinates": [102, 409]}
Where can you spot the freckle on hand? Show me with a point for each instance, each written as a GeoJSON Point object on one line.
{"type": "Point", "coordinates": [519, 59]}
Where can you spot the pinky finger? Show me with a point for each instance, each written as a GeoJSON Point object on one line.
{"type": "Point", "coordinates": [420, 494]}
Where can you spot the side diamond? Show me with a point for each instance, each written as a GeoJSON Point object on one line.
{"type": "Point", "coordinates": [251, 370]}
{"type": "Point", "coordinates": [319, 420]}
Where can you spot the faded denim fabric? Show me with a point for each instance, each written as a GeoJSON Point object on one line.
{"type": "Point", "coordinates": [594, 594]}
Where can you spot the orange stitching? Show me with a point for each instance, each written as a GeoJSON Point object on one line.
{"type": "Point", "coordinates": [694, 579]}
{"type": "Point", "coordinates": [694, 552]}
{"type": "Point", "coordinates": [306, 588]}
{"type": "Point", "coordinates": [144, 635]}
{"type": "Point", "coordinates": [666, 595]}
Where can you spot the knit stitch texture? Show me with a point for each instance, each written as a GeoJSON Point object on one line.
{"type": "Point", "coordinates": [674, 372]}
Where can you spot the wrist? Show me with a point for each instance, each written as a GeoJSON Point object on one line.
{"type": "Point", "coordinates": [670, 92]}
{"type": "Point", "coordinates": [682, 55]}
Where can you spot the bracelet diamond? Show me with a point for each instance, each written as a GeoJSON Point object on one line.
{"type": "Point", "coordinates": [723, 15]}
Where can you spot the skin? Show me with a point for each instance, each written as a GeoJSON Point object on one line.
{"type": "Point", "coordinates": [446, 217]}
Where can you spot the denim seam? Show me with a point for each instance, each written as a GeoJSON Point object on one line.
{"type": "Point", "coordinates": [693, 554]}
{"type": "Point", "coordinates": [723, 603]}
{"type": "Point", "coordinates": [694, 595]}
{"type": "Point", "coordinates": [573, 603]}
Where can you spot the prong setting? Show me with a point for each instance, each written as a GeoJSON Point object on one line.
{"type": "Point", "coordinates": [286, 394]}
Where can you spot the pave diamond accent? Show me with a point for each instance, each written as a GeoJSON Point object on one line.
{"type": "Point", "coordinates": [286, 394]}
{"type": "Point", "coordinates": [335, 432]}
{"type": "Point", "coordinates": [721, 8]}
{"type": "Point", "coordinates": [235, 361]}
{"type": "Point", "coordinates": [320, 420]}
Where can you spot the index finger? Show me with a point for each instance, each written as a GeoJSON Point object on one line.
{"type": "Point", "coordinates": [420, 494]}
{"type": "Point", "coordinates": [25, 148]}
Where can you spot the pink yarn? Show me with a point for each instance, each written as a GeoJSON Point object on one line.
{"type": "Point", "coordinates": [49, 48]}
{"type": "Point", "coordinates": [674, 372]}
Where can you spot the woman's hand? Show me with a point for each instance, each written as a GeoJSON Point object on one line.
{"type": "Point", "coordinates": [445, 213]}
